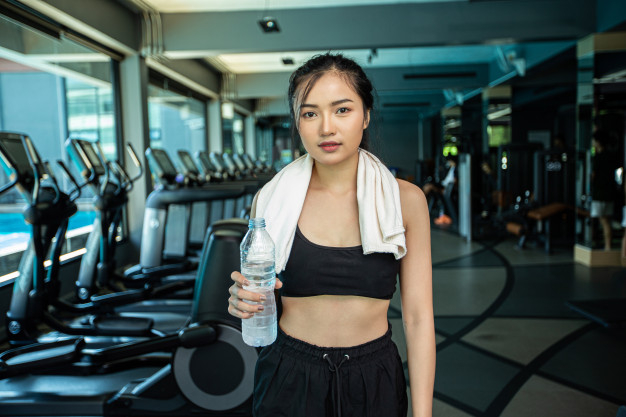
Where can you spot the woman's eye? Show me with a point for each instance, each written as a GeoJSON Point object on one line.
{"type": "Point", "coordinates": [343, 110]}
{"type": "Point", "coordinates": [308, 114]}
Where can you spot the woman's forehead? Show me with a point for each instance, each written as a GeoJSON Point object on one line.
{"type": "Point", "coordinates": [329, 87]}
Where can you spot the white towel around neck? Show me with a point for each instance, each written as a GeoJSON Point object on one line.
{"type": "Point", "coordinates": [280, 202]}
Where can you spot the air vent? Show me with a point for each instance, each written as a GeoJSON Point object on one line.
{"type": "Point", "coordinates": [426, 76]}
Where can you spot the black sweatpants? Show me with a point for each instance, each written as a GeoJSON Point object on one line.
{"type": "Point", "coordinates": [296, 379]}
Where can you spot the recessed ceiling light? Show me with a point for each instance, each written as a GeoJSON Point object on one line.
{"type": "Point", "coordinates": [269, 24]}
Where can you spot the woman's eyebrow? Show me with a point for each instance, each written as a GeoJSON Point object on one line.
{"type": "Point", "coordinates": [334, 103]}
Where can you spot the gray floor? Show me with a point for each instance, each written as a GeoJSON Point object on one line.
{"type": "Point", "coordinates": [508, 345]}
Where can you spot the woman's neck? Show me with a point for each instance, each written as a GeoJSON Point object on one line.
{"type": "Point", "coordinates": [339, 178]}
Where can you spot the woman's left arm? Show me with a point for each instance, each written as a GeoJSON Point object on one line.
{"type": "Point", "coordinates": [417, 299]}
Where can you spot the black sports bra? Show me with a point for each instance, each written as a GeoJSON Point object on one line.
{"type": "Point", "coordinates": [320, 270]}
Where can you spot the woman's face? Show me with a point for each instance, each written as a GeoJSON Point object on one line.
{"type": "Point", "coordinates": [332, 120]}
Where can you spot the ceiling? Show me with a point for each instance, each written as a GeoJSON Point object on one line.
{"type": "Point", "coordinates": [178, 6]}
{"type": "Point", "coordinates": [421, 55]}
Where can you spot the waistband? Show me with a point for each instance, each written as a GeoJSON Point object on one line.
{"type": "Point", "coordinates": [314, 353]}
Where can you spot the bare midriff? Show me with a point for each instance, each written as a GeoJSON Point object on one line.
{"type": "Point", "coordinates": [334, 320]}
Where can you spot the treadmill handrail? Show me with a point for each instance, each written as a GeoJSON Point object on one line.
{"type": "Point", "coordinates": [162, 198]}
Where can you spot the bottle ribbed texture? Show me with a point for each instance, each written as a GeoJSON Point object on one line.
{"type": "Point", "coordinates": [257, 265]}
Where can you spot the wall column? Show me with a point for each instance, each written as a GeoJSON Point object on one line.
{"type": "Point", "coordinates": [215, 126]}
{"type": "Point", "coordinates": [250, 138]}
{"type": "Point", "coordinates": [134, 102]}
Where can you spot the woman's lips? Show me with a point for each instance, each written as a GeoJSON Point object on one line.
{"type": "Point", "coordinates": [329, 146]}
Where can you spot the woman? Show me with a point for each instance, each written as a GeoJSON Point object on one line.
{"type": "Point", "coordinates": [334, 354]}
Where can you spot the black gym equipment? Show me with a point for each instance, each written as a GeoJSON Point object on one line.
{"type": "Point", "coordinates": [167, 204]}
{"type": "Point", "coordinates": [110, 185]}
{"type": "Point", "coordinates": [207, 167]}
{"type": "Point", "coordinates": [514, 159]}
{"type": "Point", "coordinates": [36, 296]}
{"type": "Point", "coordinates": [210, 371]}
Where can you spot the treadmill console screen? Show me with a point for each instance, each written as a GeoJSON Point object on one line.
{"type": "Point", "coordinates": [188, 163]}
{"type": "Point", "coordinates": [239, 162]}
{"type": "Point", "coordinates": [217, 162]}
{"type": "Point", "coordinates": [230, 165]}
{"type": "Point", "coordinates": [206, 164]}
{"type": "Point", "coordinates": [248, 161]}
{"type": "Point", "coordinates": [164, 162]}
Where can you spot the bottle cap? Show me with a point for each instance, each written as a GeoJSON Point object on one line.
{"type": "Point", "coordinates": [256, 223]}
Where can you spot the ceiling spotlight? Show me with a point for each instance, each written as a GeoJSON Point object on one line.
{"type": "Point", "coordinates": [269, 24]}
{"type": "Point", "coordinates": [288, 61]}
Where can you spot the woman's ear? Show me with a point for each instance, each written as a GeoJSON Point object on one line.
{"type": "Point", "coordinates": [366, 120]}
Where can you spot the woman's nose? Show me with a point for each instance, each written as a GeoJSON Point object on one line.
{"type": "Point", "coordinates": [328, 126]}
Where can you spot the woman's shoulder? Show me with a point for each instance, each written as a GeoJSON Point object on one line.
{"type": "Point", "coordinates": [410, 191]}
{"type": "Point", "coordinates": [413, 202]}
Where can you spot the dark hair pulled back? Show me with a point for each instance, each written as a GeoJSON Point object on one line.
{"type": "Point", "coordinates": [304, 78]}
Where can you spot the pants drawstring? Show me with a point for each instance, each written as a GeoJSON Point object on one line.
{"type": "Point", "coordinates": [336, 392]}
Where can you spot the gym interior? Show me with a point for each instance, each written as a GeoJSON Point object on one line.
{"type": "Point", "coordinates": [135, 133]}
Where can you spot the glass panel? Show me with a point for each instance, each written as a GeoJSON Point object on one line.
{"type": "Point", "coordinates": [233, 132]}
{"type": "Point", "coordinates": [264, 143]}
{"type": "Point", "coordinates": [176, 122]}
{"type": "Point", "coordinates": [50, 89]}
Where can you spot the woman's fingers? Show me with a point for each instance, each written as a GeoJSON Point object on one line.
{"type": "Point", "coordinates": [278, 284]}
{"type": "Point", "coordinates": [240, 309]}
{"type": "Point", "coordinates": [233, 311]}
{"type": "Point", "coordinates": [237, 305]}
{"type": "Point", "coordinates": [238, 278]}
{"type": "Point", "coordinates": [237, 291]}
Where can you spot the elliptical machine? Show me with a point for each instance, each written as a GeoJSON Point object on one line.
{"type": "Point", "coordinates": [209, 373]}
{"type": "Point", "coordinates": [35, 298]}
{"type": "Point", "coordinates": [110, 185]}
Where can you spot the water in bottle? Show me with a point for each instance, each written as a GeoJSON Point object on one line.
{"type": "Point", "coordinates": [257, 265]}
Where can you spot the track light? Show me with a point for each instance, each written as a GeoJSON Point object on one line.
{"type": "Point", "coordinates": [269, 24]}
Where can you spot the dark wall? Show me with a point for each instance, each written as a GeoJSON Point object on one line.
{"type": "Point", "coordinates": [397, 141]}
{"type": "Point", "coordinates": [555, 114]}
{"type": "Point", "coordinates": [545, 100]}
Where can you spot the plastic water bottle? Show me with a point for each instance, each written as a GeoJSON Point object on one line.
{"type": "Point", "coordinates": [257, 265]}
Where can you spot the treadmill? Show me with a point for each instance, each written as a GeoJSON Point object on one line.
{"type": "Point", "coordinates": [168, 205]}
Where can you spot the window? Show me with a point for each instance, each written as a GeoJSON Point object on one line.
{"type": "Point", "coordinates": [176, 121]}
{"type": "Point", "coordinates": [233, 136]}
{"type": "Point", "coordinates": [264, 142]}
{"type": "Point", "coordinates": [51, 89]}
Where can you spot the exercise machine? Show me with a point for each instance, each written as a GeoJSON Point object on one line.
{"type": "Point", "coordinates": [206, 369]}
{"type": "Point", "coordinates": [167, 207]}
